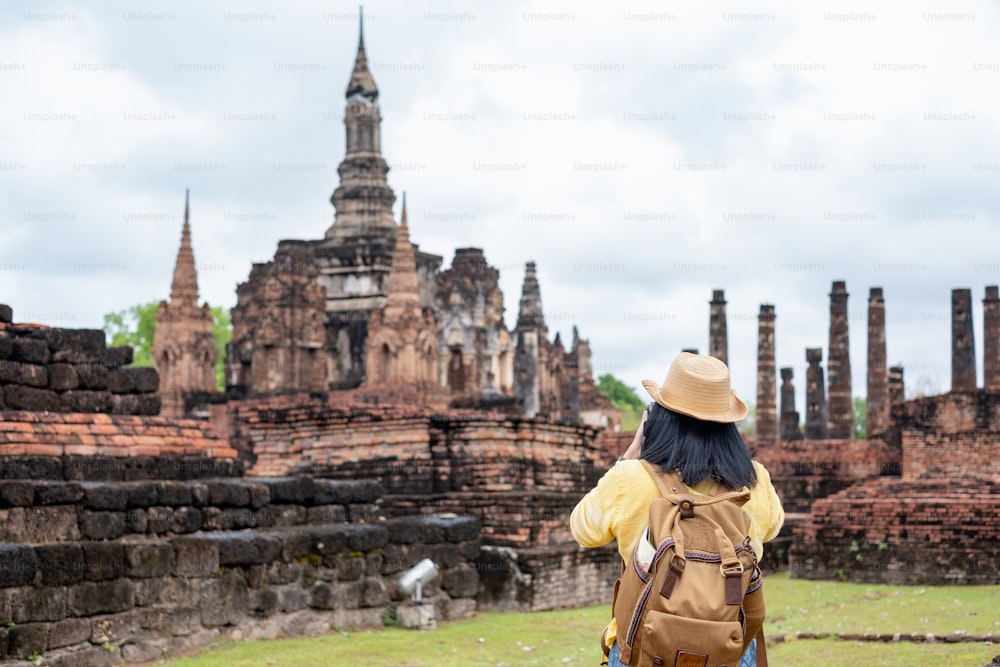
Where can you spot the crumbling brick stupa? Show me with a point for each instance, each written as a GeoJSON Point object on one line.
{"type": "Point", "coordinates": [365, 305]}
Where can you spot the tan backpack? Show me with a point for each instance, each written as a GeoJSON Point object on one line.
{"type": "Point", "coordinates": [698, 602]}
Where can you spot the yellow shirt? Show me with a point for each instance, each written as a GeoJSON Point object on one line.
{"type": "Point", "coordinates": [618, 508]}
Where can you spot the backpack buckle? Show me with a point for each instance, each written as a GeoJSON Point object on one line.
{"type": "Point", "coordinates": [736, 571]}
{"type": "Point", "coordinates": [734, 583]}
{"type": "Point", "coordinates": [686, 508]}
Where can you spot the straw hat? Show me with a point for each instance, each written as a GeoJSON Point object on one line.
{"type": "Point", "coordinates": [698, 386]}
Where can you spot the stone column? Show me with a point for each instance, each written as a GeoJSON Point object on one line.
{"type": "Point", "coordinates": [767, 400]}
{"type": "Point", "coordinates": [815, 396]}
{"type": "Point", "coordinates": [718, 340]}
{"type": "Point", "coordinates": [840, 412]}
{"type": "Point", "coordinates": [963, 346]}
{"type": "Point", "coordinates": [895, 384]}
{"type": "Point", "coordinates": [991, 345]}
{"type": "Point", "coordinates": [789, 416]}
{"type": "Point", "coordinates": [876, 412]}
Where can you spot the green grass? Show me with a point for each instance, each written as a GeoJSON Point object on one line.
{"type": "Point", "coordinates": [836, 653]}
{"type": "Point", "coordinates": [796, 605]}
{"type": "Point", "coordinates": [569, 637]}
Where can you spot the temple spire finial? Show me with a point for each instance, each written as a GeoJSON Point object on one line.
{"type": "Point", "coordinates": [530, 312]}
{"type": "Point", "coordinates": [361, 27]}
{"type": "Point", "coordinates": [404, 289]}
{"type": "Point", "coordinates": [184, 288]}
{"type": "Point", "coordinates": [361, 82]}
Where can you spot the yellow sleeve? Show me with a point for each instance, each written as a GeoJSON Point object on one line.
{"type": "Point", "coordinates": [766, 513]}
{"type": "Point", "coordinates": [593, 519]}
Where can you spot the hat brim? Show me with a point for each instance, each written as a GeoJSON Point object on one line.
{"type": "Point", "coordinates": [736, 411]}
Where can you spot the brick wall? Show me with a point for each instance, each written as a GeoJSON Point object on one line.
{"type": "Point", "coordinates": [899, 531]}
{"type": "Point", "coordinates": [804, 471]}
{"type": "Point", "coordinates": [937, 523]}
{"type": "Point", "coordinates": [24, 433]}
{"type": "Point", "coordinates": [612, 444]}
{"type": "Point", "coordinates": [541, 578]}
{"type": "Point", "coordinates": [949, 436]}
{"type": "Point", "coordinates": [70, 370]}
{"type": "Point", "coordinates": [520, 478]}
{"type": "Point", "coordinates": [410, 449]}
{"type": "Point", "coordinates": [95, 573]}
{"type": "Point", "coordinates": [530, 518]}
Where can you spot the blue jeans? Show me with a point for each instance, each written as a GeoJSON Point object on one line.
{"type": "Point", "coordinates": [749, 658]}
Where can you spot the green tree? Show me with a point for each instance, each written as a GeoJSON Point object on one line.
{"type": "Point", "coordinates": [136, 324]}
{"type": "Point", "coordinates": [624, 398]}
{"type": "Point", "coordinates": [860, 406]}
{"type": "Point", "coordinates": [133, 326]}
{"type": "Point", "coordinates": [222, 331]}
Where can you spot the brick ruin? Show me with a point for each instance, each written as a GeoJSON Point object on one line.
{"type": "Point", "coordinates": [789, 428]}
{"type": "Point", "coordinates": [876, 398]}
{"type": "Point", "coordinates": [364, 305]}
{"type": "Point", "coordinates": [379, 411]}
{"type": "Point", "coordinates": [767, 401]}
{"type": "Point", "coordinates": [48, 369]}
{"type": "Point", "coordinates": [840, 412]}
{"type": "Point", "coordinates": [126, 538]}
{"type": "Point", "coordinates": [934, 520]}
{"type": "Point", "coordinates": [519, 477]}
{"type": "Point", "coordinates": [815, 395]}
{"type": "Point", "coordinates": [162, 536]}
{"type": "Point", "coordinates": [183, 347]}
{"type": "Point", "coordinates": [718, 335]}
{"type": "Point", "coordinates": [915, 501]}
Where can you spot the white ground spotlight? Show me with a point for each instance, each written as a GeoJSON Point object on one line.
{"type": "Point", "coordinates": [416, 614]}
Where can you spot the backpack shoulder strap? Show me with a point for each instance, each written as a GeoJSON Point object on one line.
{"type": "Point", "coordinates": [659, 478]}
{"type": "Point", "coordinates": [716, 493]}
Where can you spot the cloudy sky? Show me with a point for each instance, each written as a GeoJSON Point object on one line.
{"type": "Point", "coordinates": [643, 154]}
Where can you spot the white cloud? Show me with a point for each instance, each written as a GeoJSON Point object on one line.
{"type": "Point", "coordinates": [765, 152]}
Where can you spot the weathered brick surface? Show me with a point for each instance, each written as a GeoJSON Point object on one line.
{"type": "Point", "coordinates": [899, 531]}
{"type": "Point", "coordinates": [610, 445]}
{"type": "Point", "coordinates": [535, 578]}
{"type": "Point", "coordinates": [71, 370]}
{"type": "Point", "coordinates": [24, 433]}
{"type": "Point", "coordinates": [134, 597]}
{"type": "Point", "coordinates": [804, 471]}
{"type": "Point", "coordinates": [950, 436]}
{"type": "Point", "coordinates": [515, 520]}
{"type": "Point", "coordinates": [937, 522]}
{"type": "Point", "coordinates": [418, 451]}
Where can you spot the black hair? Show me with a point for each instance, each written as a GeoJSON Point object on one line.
{"type": "Point", "coordinates": [699, 449]}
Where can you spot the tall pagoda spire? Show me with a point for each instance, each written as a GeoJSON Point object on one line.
{"type": "Point", "coordinates": [361, 82]}
{"type": "Point", "coordinates": [363, 200]}
{"type": "Point", "coordinates": [184, 289]}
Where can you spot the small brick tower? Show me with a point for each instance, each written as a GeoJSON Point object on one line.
{"type": "Point", "coordinates": [183, 346]}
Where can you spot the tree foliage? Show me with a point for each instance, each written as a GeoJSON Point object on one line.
{"type": "Point", "coordinates": [136, 325]}
{"type": "Point", "coordinates": [222, 331]}
{"type": "Point", "coordinates": [860, 406]}
{"type": "Point", "coordinates": [624, 398]}
{"type": "Point", "coordinates": [133, 326]}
